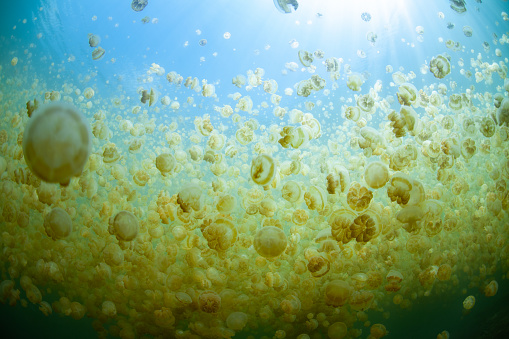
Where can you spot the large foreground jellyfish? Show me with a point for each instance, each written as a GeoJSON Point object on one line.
{"type": "Point", "coordinates": [56, 143]}
{"type": "Point", "coordinates": [283, 5]}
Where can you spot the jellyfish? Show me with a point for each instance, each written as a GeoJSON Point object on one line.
{"type": "Point", "coordinates": [56, 143]}
{"type": "Point", "coordinates": [139, 5]}
{"type": "Point", "coordinates": [283, 5]}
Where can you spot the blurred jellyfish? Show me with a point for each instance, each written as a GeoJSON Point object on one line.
{"type": "Point", "coordinates": [371, 36]}
{"type": "Point", "coordinates": [366, 16]}
{"type": "Point", "coordinates": [467, 30]}
{"type": "Point", "coordinates": [283, 5]}
{"type": "Point", "coordinates": [139, 5]}
{"type": "Point", "coordinates": [450, 25]}
{"type": "Point", "coordinates": [203, 42]}
{"type": "Point", "coordinates": [227, 35]}
{"type": "Point", "coordinates": [458, 6]}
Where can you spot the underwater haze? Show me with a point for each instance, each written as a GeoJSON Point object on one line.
{"type": "Point", "coordinates": [254, 169]}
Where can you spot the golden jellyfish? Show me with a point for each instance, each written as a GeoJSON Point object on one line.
{"type": "Point", "coordinates": [340, 222]}
{"type": "Point", "coordinates": [236, 321]}
{"type": "Point", "coordinates": [292, 191]}
{"type": "Point", "coordinates": [443, 335]}
{"type": "Point", "coordinates": [407, 94]}
{"type": "Point", "coordinates": [190, 198]}
{"type": "Point", "coordinates": [270, 242]}
{"type": "Point", "coordinates": [410, 216]}
{"type": "Point", "coordinates": [165, 163]}
{"type": "Point", "coordinates": [220, 235]}
{"type": "Point", "coordinates": [209, 302]}
{"type": "Point", "coordinates": [109, 309]}
{"type": "Point", "coordinates": [318, 266]}
{"type": "Point", "coordinates": [365, 227]}
{"type": "Point", "coordinates": [394, 279]}
{"type": "Point", "coordinates": [226, 204]}
{"type": "Point", "coordinates": [58, 224]}
{"type": "Point", "coordinates": [378, 331]}
{"type": "Point", "coordinates": [361, 300]}
{"type": "Point", "coordinates": [337, 330]}
{"type": "Point", "coordinates": [358, 197]}
{"type": "Point", "coordinates": [291, 304]}
{"type": "Point", "coordinates": [315, 198]}
{"type": "Point", "coordinates": [491, 289]}
{"type": "Point", "coordinates": [444, 272]}
{"type": "Point", "coordinates": [124, 226]}
{"type": "Point", "coordinates": [440, 66]}
{"type": "Point", "coordinates": [376, 174]}
{"type": "Point", "coordinates": [263, 169]}
{"type": "Point", "coordinates": [113, 254]}
{"type": "Point", "coordinates": [56, 143]}
{"type": "Point", "coordinates": [469, 302]}
{"type": "Point", "coordinates": [337, 293]}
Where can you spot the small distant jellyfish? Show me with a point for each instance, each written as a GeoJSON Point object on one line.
{"type": "Point", "coordinates": [371, 37]}
{"type": "Point", "coordinates": [203, 42]}
{"type": "Point", "coordinates": [450, 25]}
{"type": "Point", "coordinates": [419, 30]}
{"type": "Point", "coordinates": [98, 53]}
{"type": "Point", "coordinates": [227, 35]}
{"type": "Point", "coordinates": [361, 54]}
{"type": "Point", "coordinates": [93, 40]}
{"type": "Point", "coordinates": [469, 302]}
{"type": "Point", "coordinates": [467, 30]}
{"type": "Point", "coordinates": [486, 46]}
{"type": "Point", "coordinates": [139, 5]}
{"type": "Point", "coordinates": [145, 20]}
{"type": "Point", "coordinates": [366, 16]}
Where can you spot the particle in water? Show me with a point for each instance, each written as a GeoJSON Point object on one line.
{"type": "Point", "coordinates": [227, 35]}
{"type": "Point", "coordinates": [366, 16]}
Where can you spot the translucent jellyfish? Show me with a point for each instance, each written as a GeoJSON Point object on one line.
{"type": "Point", "coordinates": [503, 112]}
{"type": "Point", "coordinates": [58, 224]}
{"type": "Point", "coordinates": [139, 5]}
{"type": "Point", "coordinates": [337, 293]}
{"type": "Point", "coordinates": [467, 30]}
{"type": "Point", "coordinates": [93, 40]}
{"type": "Point", "coordinates": [306, 58]}
{"type": "Point", "coordinates": [440, 66]}
{"type": "Point", "coordinates": [236, 321]}
{"type": "Point", "coordinates": [338, 330]}
{"type": "Point", "coordinates": [56, 143]}
{"type": "Point", "coordinates": [372, 37]}
{"type": "Point", "coordinates": [450, 25]}
{"type": "Point", "coordinates": [366, 16]}
{"type": "Point", "coordinates": [270, 242]}
{"type": "Point", "coordinates": [124, 226]}
{"type": "Point", "coordinates": [98, 53]}
{"type": "Point", "coordinates": [202, 42]}
{"type": "Point", "coordinates": [285, 6]}
{"type": "Point", "coordinates": [458, 6]}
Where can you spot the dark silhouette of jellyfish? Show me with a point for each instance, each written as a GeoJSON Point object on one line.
{"type": "Point", "coordinates": [139, 5]}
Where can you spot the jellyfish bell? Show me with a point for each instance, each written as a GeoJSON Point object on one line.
{"type": "Point", "coordinates": [285, 6]}
{"type": "Point", "coordinates": [56, 143]}
{"type": "Point", "coordinates": [139, 5]}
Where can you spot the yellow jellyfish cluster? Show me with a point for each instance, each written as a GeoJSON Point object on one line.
{"type": "Point", "coordinates": [301, 227]}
